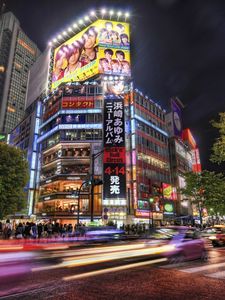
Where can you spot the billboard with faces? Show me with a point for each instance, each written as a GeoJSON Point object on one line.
{"type": "Point", "coordinates": [103, 47]}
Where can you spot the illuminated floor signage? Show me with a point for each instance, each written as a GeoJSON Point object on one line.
{"type": "Point", "coordinates": [114, 161]}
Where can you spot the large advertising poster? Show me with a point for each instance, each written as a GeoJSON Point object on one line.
{"type": "Point", "coordinates": [114, 158]}
{"type": "Point", "coordinates": [102, 47]}
{"type": "Point", "coordinates": [176, 117]}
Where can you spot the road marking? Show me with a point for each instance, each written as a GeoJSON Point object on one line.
{"type": "Point", "coordinates": [218, 275]}
{"type": "Point", "coordinates": [115, 269]}
{"type": "Point", "coordinates": [203, 268]}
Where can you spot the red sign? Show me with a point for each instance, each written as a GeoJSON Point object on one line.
{"type": "Point", "coordinates": [78, 102]}
{"type": "Point", "coordinates": [187, 136]}
{"type": "Point", "coordinates": [114, 155]}
{"type": "Point", "coordinates": [51, 111]}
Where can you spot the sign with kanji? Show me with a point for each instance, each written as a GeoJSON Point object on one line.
{"type": "Point", "coordinates": [114, 157]}
{"type": "Point", "coordinates": [78, 102]}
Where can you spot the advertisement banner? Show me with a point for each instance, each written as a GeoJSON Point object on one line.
{"type": "Point", "coordinates": [114, 157]}
{"type": "Point", "coordinates": [73, 119]}
{"type": "Point", "coordinates": [114, 123]}
{"type": "Point", "coordinates": [168, 207]}
{"type": "Point", "coordinates": [102, 47]}
{"type": "Point", "coordinates": [176, 117]}
{"type": "Point", "coordinates": [77, 102]}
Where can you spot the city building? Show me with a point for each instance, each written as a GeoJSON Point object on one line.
{"type": "Point", "coordinates": [25, 136]}
{"type": "Point", "coordinates": [26, 133]}
{"type": "Point", "coordinates": [17, 54]}
{"type": "Point", "coordinates": [98, 147]}
{"type": "Point", "coordinates": [184, 157]}
{"type": "Point", "coordinates": [150, 165]}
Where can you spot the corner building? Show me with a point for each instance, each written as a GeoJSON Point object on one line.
{"type": "Point", "coordinates": [95, 126]}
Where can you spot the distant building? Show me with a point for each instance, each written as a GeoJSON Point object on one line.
{"type": "Point", "coordinates": [17, 54]}
{"type": "Point", "coordinates": [25, 134]}
{"type": "Point", "coordinates": [184, 157]}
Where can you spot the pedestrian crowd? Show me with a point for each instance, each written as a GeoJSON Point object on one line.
{"type": "Point", "coordinates": [32, 230]}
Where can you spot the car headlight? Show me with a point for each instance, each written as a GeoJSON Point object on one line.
{"type": "Point", "coordinates": [212, 237]}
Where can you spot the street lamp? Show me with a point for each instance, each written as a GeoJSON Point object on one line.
{"type": "Point", "coordinates": [93, 181]}
{"type": "Point", "coordinates": [151, 200]}
{"type": "Point", "coordinates": [78, 204]}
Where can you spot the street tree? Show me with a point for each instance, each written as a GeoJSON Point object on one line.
{"type": "Point", "coordinates": [218, 149]}
{"type": "Point", "coordinates": [13, 178]}
{"type": "Point", "coordinates": [205, 190]}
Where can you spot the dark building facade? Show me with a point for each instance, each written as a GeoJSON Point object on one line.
{"type": "Point", "coordinates": [17, 54]}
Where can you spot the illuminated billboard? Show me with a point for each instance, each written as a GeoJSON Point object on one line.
{"type": "Point", "coordinates": [168, 191]}
{"type": "Point", "coordinates": [176, 115]}
{"type": "Point", "coordinates": [114, 157]}
{"type": "Point", "coordinates": [103, 47]}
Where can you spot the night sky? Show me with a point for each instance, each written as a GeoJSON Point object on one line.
{"type": "Point", "coordinates": [178, 49]}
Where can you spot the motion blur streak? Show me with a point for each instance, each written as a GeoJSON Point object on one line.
{"type": "Point", "coordinates": [103, 257]}
{"type": "Point", "coordinates": [99, 250]}
{"type": "Point", "coordinates": [9, 257]}
{"type": "Point", "coordinates": [116, 269]}
{"type": "Point", "coordinates": [9, 248]}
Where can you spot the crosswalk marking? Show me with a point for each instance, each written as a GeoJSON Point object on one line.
{"type": "Point", "coordinates": [218, 275]}
{"type": "Point", "coordinates": [213, 268]}
{"type": "Point", "coordinates": [203, 268]}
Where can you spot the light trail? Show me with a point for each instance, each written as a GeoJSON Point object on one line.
{"type": "Point", "coordinates": [115, 269]}
{"type": "Point", "coordinates": [106, 257]}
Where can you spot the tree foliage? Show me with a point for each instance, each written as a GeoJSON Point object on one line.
{"type": "Point", "coordinates": [218, 149]}
{"type": "Point", "coordinates": [13, 178]}
{"type": "Point", "coordinates": [206, 189]}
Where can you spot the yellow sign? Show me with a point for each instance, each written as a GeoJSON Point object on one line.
{"type": "Point", "coordinates": [102, 47]}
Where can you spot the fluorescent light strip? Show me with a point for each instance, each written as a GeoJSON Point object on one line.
{"type": "Point", "coordinates": [69, 126]}
{"type": "Point", "coordinates": [72, 111]}
{"type": "Point", "coordinates": [150, 124]}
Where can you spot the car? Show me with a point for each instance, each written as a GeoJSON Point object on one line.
{"type": "Point", "coordinates": [184, 243]}
{"type": "Point", "coordinates": [103, 233]}
{"type": "Point", "coordinates": [218, 238]}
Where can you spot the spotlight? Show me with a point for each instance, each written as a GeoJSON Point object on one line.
{"type": "Point", "coordinates": [92, 13]}
{"type": "Point", "coordinates": [50, 44]}
{"type": "Point", "coordinates": [86, 18]}
{"type": "Point", "coordinates": [81, 22]}
{"type": "Point", "coordinates": [59, 36]}
{"type": "Point", "coordinates": [64, 33]}
{"type": "Point", "coordinates": [75, 25]}
{"type": "Point", "coordinates": [111, 12]}
{"type": "Point", "coordinates": [119, 13]}
{"type": "Point", "coordinates": [55, 40]}
{"type": "Point", "coordinates": [103, 11]}
{"type": "Point", "coordinates": [70, 29]}
{"type": "Point", "coordinates": [127, 14]}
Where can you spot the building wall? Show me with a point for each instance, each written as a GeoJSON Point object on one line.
{"type": "Point", "coordinates": [150, 157]}
{"type": "Point", "coordinates": [18, 53]}
{"type": "Point", "coordinates": [71, 130]}
{"type": "Point", "coordinates": [24, 136]}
